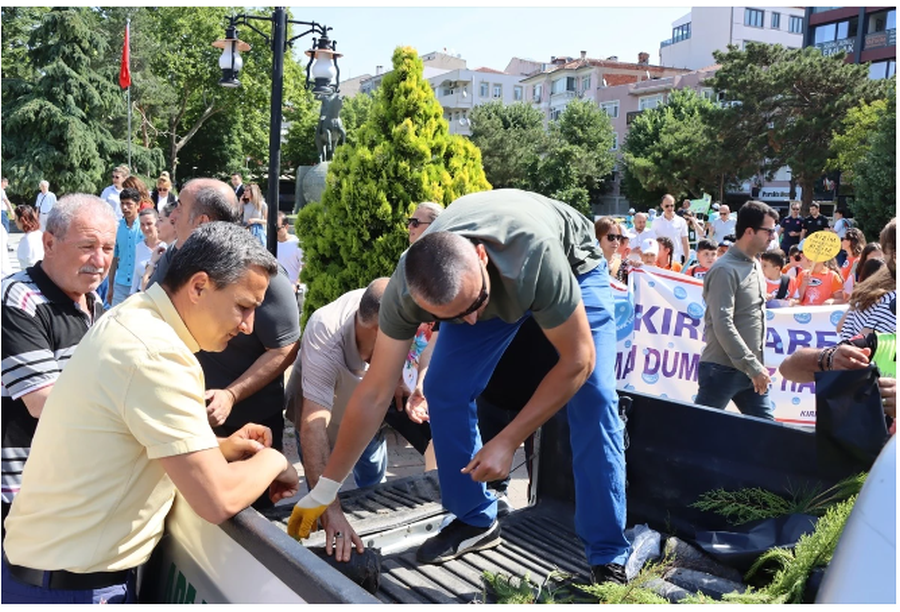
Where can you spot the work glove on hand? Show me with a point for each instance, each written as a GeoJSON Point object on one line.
{"type": "Point", "coordinates": [311, 507]}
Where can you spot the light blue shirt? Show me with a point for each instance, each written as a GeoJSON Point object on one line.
{"type": "Point", "coordinates": [126, 246]}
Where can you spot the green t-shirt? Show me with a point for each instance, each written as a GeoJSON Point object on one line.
{"type": "Point", "coordinates": [536, 246]}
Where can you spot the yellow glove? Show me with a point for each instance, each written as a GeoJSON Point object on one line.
{"type": "Point", "coordinates": [307, 511]}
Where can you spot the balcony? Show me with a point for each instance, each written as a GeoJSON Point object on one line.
{"type": "Point", "coordinates": [562, 95]}
{"type": "Point", "coordinates": [666, 43]}
{"type": "Point", "coordinates": [833, 47]}
{"type": "Point", "coordinates": [879, 40]}
{"type": "Point", "coordinates": [652, 85]}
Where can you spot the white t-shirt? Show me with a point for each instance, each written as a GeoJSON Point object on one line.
{"type": "Point", "coordinates": [250, 212]}
{"type": "Point", "coordinates": [290, 255]}
{"type": "Point", "coordinates": [639, 237]}
{"type": "Point", "coordinates": [721, 228]}
{"type": "Point", "coordinates": [110, 195]}
{"type": "Point", "coordinates": [142, 255]}
{"type": "Point", "coordinates": [674, 230]}
{"type": "Point", "coordinates": [31, 249]}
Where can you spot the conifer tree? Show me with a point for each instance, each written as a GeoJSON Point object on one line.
{"type": "Point", "coordinates": [404, 155]}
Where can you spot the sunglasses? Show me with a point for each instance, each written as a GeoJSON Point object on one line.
{"type": "Point", "coordinates": [482, 297]}
{"type": "Point", "coordinates": [771, 230]}
{"type": "Point", "coordinates": [414, 223]}
{"type": "Point", "coordinates": [669, 206]}
{"type": "Point", "coordinates": [612, 237]}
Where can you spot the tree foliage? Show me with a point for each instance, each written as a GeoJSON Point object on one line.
{"type": "Point", "coordinates": [567, 162]}
{"type": "Point", "coordinates": [875, 176]}
{"type": "Point", "coordinates": [404, 155]}
{"type": "Point", "coordinates": [512, 139]}
{"type": "Point", "coordinates": [785, 105]}
{"type": "Point", "coordinates": [673, 149]}
{"type": "Point", "coordinates": [56, 114]}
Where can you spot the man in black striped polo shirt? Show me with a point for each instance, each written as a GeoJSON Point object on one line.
{"type": "Point", "coordinates": [46, 310]}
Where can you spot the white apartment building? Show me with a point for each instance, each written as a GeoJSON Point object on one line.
{"type": "Point", "coordinates": [433, 64]}
{"type": "Point", "coordinates": [706, 29]}
{"type": "Point", "coordinates": [459, 91]}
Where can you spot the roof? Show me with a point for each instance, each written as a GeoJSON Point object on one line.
{"type": "Point", "coordinates": [619, 79]}
{"type": "Point", "coordinates": [491, 70]}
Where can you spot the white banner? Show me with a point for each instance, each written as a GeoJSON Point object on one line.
{"type": "Point", "coordinates": [659, 323]}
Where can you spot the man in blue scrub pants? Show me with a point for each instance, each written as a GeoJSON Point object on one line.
{"type": "Point", "coordinates": [490, 261]}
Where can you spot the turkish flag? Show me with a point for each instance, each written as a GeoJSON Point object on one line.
{"type": "Point", "coordinates": [125, 70]}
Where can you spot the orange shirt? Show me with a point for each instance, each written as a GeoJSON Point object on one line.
{"type": "Point", "coordinates": [772, 287]}
{"type": "Point", "coordinates": [674, 267]}
{"type": "Point", "coordinates": [848, 267]}
{"type": "Point", "coordinates": [820, 286]}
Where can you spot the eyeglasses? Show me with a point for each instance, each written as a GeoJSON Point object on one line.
{"type": "Point", "coordinates": [721, 214]}
{"type": "Point", "coordinates": [771, 230]}
{"type": "Point", "coordinates": [414, 223]}
{"type": "Point", "coordinates": [669, 206]}
{"type": "Point", "coordinates": [795, 209]}
{"type": "Point", "coordinates": [482, 297]}
{"type": "Point", "coordinates": [612, 237]}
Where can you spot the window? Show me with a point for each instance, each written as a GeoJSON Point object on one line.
{"type": "Point", "coordinates": [682, 32]}
{"type": "Point", "coordinates": [776, 21]}
{"type": "Point", "coordinates": [554, 114]}
{"type": "Point", "coordinates": [585, 83]}
{"type": "Point", "coordinates": [498, 91]}
{"type": "Point", "coordinates": [847, 29]}
{"type": "Point", "coordinates": [563, 84]}
{"type": "Point", "coordinates": [753, 17]}
{"type": "Point", "coordinates": [610, 108]}
{"type": "Point", "coordinates": [795, 25]}
{"type": "Point", "coordinates": [483, 89]}
{"type": "Point", "coordinates": [707, 93]}
{"type": "Point", "coordinates": [615, 145]}
{"type": "Point", "coordinates": [879, 22]}
{"type": "Point", "coordinates": [841, 30]}
{"type": "Point", "coordinates": [882, 70]}
{"type": "Point", "coordinates": [648, 102]}
{"type": "Point", "coordinates": [517, 93]}
{"type": "Point", "coordinates": [536, 91]}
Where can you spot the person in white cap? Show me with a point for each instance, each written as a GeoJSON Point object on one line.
{"type": "Point", "coordinates": [649, 251]}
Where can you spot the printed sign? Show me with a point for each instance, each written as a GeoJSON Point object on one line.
{"type": "Point", "coordinates": [660, 336]}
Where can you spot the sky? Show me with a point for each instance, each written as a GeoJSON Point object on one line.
{"type": "Point", "coordinates": [490, 37]}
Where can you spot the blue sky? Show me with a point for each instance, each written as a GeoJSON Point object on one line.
{"type": "Point", "coordinates": [490, 36]}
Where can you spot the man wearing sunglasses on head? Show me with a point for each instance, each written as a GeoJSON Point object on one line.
{"type": "Point", "coordinates": [490, 261]}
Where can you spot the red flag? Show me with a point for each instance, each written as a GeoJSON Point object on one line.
{"type": "Point", "coordinates": [125, 71]}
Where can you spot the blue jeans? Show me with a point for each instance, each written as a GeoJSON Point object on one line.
{"type": "Point", "coordinates": [720, 384]}
{"type": "Point", "coordinates": [4, 218]}
{"type": "Point", "coordinates": [372, 464]}
{"type": "Point", "coordinates": [464, 359]}
{"type": "Point", "coordinates": [120, 293]}
{"type": "Point", "coordinates": [15, 592]}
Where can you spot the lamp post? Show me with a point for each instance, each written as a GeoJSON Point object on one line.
{"type": "Point", "coordinates": [322, 75]}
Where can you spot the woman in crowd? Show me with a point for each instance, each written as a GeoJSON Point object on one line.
{"type": "Point", "coordinates": [873, 305]}
{"type": "Point", "coordinates": [852, 243]}
{"type": "Point", "coordinates": [870, 251]}
{"type": "Point", "coordinates": [162, 195]}
{"type": "Point", "coordinates": [135, 183]}
{"type": "Point", "coordinates": [665, 260]}
{"type": "Point", "coordinates": [610, 237]}
{"type": "Point", "coordinates": [31, 246]}
{"type": "Point", "coordinates": [255, 210]}
{"type": "Point", "coordinates": [143, 252]}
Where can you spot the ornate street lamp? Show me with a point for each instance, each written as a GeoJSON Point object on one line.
{"type": "Point", "coordinates": [322, 76]}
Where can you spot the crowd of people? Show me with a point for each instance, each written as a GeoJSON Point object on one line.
{"type": "Point", "coordinates": [187, 348]}
{"type": "Point", "coordinates": [678, 242]}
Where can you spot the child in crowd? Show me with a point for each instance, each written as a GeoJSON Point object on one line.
{"type": "Point", "coordinates": [820, 283]}
{"type": "Point", "coordinates": [649, 251]}
{"type": "Point", "coordinates": [726, 243]}
{"type": "Point", "coordinates": [795, 262]}
{"type": "Point", "coordinates": [780, 287]}
{"type": "Point", "coordinates": [665, 259]}
{"type": "Point", "coordinates": [706, 257]}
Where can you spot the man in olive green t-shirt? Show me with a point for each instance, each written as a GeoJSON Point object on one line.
{"type": "Point", "coordinates": [490, 261]}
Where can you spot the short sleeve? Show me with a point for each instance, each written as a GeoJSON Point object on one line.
{"type": "Point", "coordinates": [556, 290]}
{"type": "Point", "coordinates": [399, 316]}
{"type": "Point", "coordinates": [29, 362]}
{"type": "Point", "coordinates": [318, 362]}
{"type": "Point", "coordinates": [164, 406]}
{"type": "Point", "coordinates": [277, 320]}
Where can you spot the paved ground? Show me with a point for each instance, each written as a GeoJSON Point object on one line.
{"type": "Point", "coordinates": [403, 459]}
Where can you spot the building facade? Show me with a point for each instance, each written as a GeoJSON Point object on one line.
{"type": "Point", "coordinates": [861, 34]}
{"type": "Point", "coordinates": [706, 29]}
{"type": "Point", "coordinates": [459, 91]}
{"type": "Point", "coordinates": [433, 64]}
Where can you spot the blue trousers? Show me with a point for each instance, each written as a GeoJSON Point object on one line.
{"type": "Point", "coordinates": [372, 464]}
{"type": "Point", "coordinates": [719, 384]}
{"type": "Point", "coordinates": [15, 592]}
{"type": "Point", "coordinates": [120, 293]}
{"type": "Point", "coordinates": [463, 361]}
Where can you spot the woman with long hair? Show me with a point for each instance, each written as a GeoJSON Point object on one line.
{"type": "Point", "coordinates": [665, 259]}
{"type": "Point", "coordinates": [255, 211]}
{"type": "Point", "coordinates": [870, 251]}
{"type": "Point", "coordinates": [873, 305]}
{"type": "Point", "coordinates": [135, 183]}
{"type": "Point", "coordinates": [852, 244]}
{"type": "Point", "coordinates": [31, 246]}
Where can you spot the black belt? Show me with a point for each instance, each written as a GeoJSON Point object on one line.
{"type": "Point", "coordinates": [67, 581]}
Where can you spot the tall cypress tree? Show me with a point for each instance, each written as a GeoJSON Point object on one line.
{"type": "Point", "coordinates": [404, 155]}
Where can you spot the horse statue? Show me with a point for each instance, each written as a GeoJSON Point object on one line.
{"type": "Point", "coordinates": [330, 131]}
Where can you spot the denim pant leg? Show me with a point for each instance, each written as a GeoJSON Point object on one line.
{"type": "Point", "coordinates": [719, 384]}
{"type": "Point", "coordinates": [15, 592]}
{"type": "Point", "coordinates": [4, 218]}
{"type": "Point", "coordinates": [597, 435]}
{"type": "Point", "coordinates": [120, 294]}
{"type": "Point", "coordinates": [464, 359]}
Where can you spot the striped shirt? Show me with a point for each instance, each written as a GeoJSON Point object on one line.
{"type": "Point", "coordinates": [880, 317]}
{"type": "Point", "coordinates": [41, 328]}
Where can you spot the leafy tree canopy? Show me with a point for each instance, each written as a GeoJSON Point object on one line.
{"type": "Point", "coordinates": [875, 176]}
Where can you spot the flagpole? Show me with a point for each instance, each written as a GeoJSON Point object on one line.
{"type": "Point", "coordinates": [130, 168]}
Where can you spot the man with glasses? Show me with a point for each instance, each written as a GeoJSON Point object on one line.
{"type": "Point", "coordinates": [674, 228]}
{"type": "Point", "coordinates": [490, 261]}
{"type": "Point", "coordinates": [790, 228]}
{"type": "Point", "coordinates": [723, 225]}
{"type": "Point", "coordinates": [424, 216]}
{"type": "Point", "coordinates": [731, 365]}
{"type": "Point", "coordinates": [111, 194]}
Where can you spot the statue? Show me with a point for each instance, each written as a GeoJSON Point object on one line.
{"type": "Point", "coordinates": [330, 131]}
